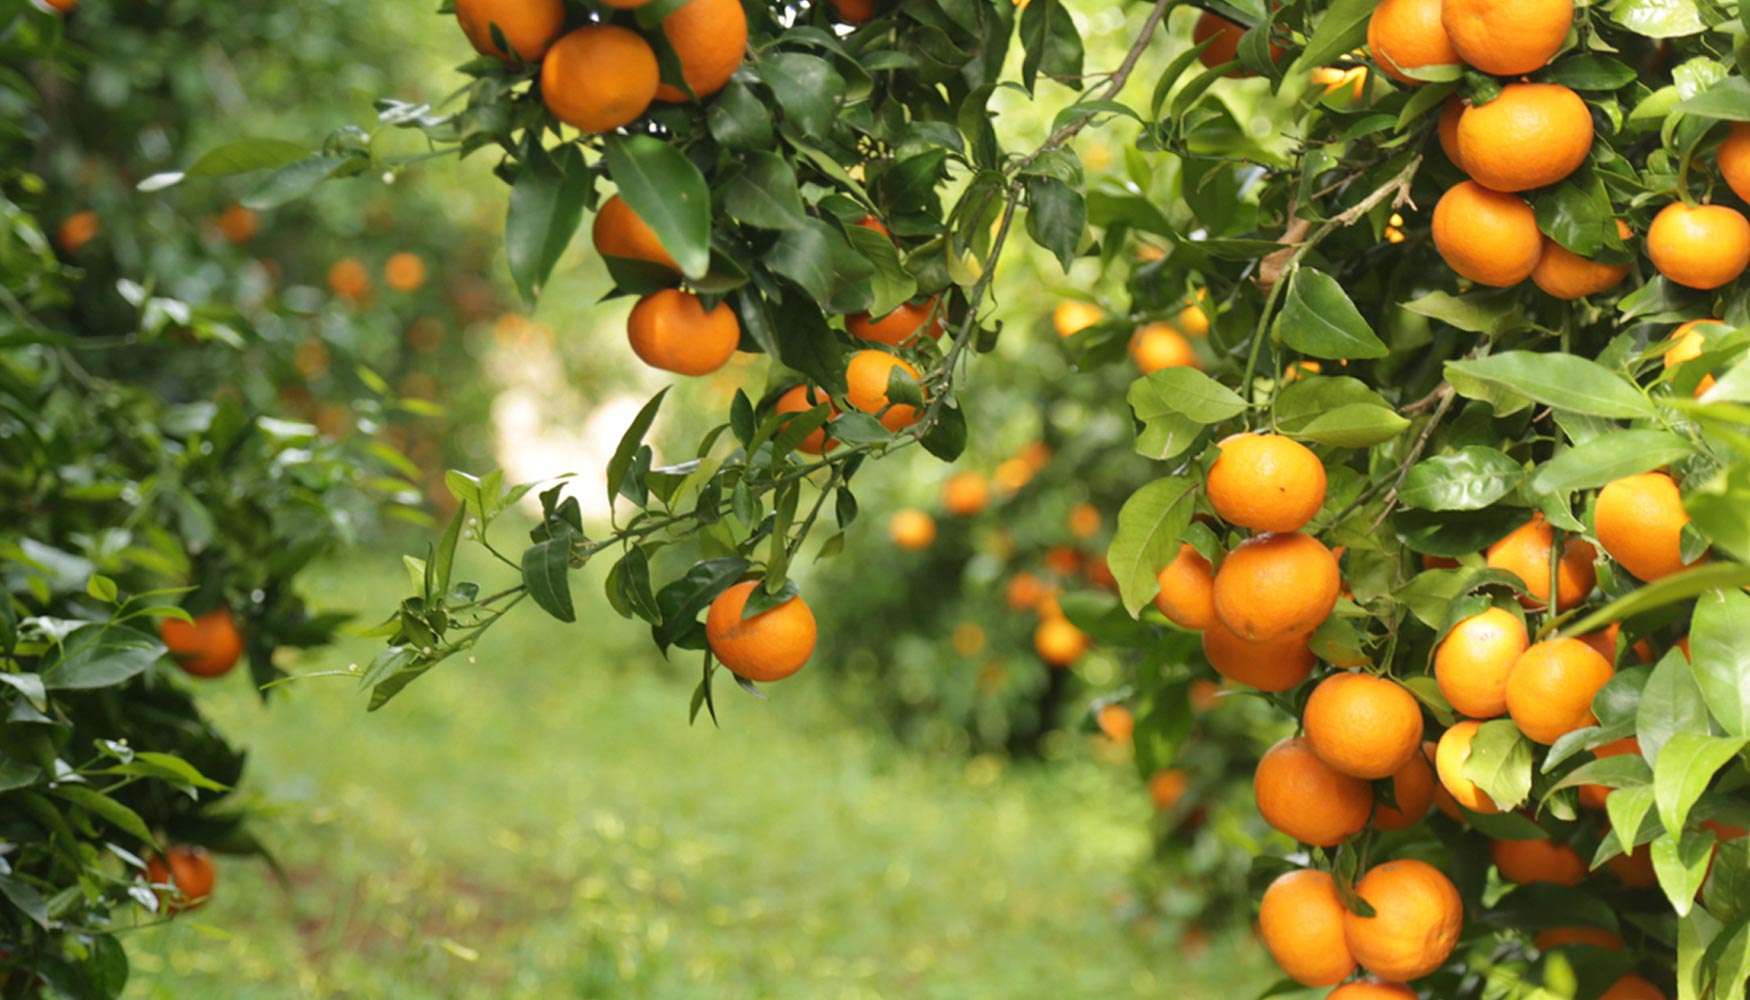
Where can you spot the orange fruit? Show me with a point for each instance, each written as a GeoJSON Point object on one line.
{"type": "Point", "coordinates": [1690, 343]}
{"type": "Point", "coordinates": [209, 647]}
{"type": "Point", "coordinates": [1702, 247]}
{"type": "Point", "coordinates": [76, 230]}
{"type": "Point", "coordinates": [1266, 482]}
{"type": "Point", "coordinates": [1413, 790]}
{"type": "Point", "coordinates": [1187, 594]}
{"type": "Point", "coordinates": [599, 77]}
{"type": "Point", "coordinates": [1634, 869]}
{"type": "Point", "coordinates": [1300, 795]}
{"type": "Point", "coordinates": [710, 39]}
{"type": "Point", "coordinates": [912, 529]}
{"type": "Point", "coordinates": [1633, 987]}
{"type": "Point", "coordinates": [1449, 757]}
{"type": "Point", "coordinates": [1407, 34]}
{"type": "Point", "coordinates": [348, 279]}
{"type": "Point", "coordinates": [1372, 989]}
{"type": "Point", "coordinates": [1549, 692]}
{"type": "Point", "coordinates": [1416, 921]}
{"type": "Point", "coordinates": [1034, 455]}
{"type": "Point", "coordinates": [529, 26]}
{"type": "Point", "coordinates": [899, 327]}
{"type": "Point", "coordinates": [1529, 861]}
{"type": "Point", "coordinates": [1192, 320]}
{"type": "Point", "coordinates": [404, 272]}
{"type": "Point", "coordinates": [1024, 591]}
{"type": "Point", "coordinates": [187, 875]}
{"type": "Point", "coordinates": [1058, 642]}
{"type": "Point", "coordinates": [1531, 136]}
{"type": "Point", "coordinates": [619, 232]}
{"type": "Point", "coordinates": [769, 646]}
{"type": "Point", "coordinates": [867, 375]}
{"type": "Point", "coordinates": [1507, 37]}
{"type": "Point", "coordinates": [1299, 370]}
{"type": "Point", "coordinates": [1472, 663]}
{"type": "Point", "coordinates": [1525, 553]}
{"type": "Point", "coordinates": [1557, 937]}
{"type": "Point", "coordinates": [855, 11]}
{"type": "Point", "coordinates": [1084, 520]}
{"type": "Point", "coordinates": [1157, 346]}
{"type": "Point", "coordinates": [1301, 922]}
{"type": "Point", "coordinates": [1567, 275]}
{"type": "Point", "coordinates": [671, 330]}
{"type": "Point", "coordinates": [238, 224]}
{"type": "Point", "coordinates": [1063, 560]}
{"type": "Point", "coordinates": [1167, 788]}
{"type": "Point", "coordinates": [1363, 725]}
{"type": "Point", "coordinates": [1487, 236]}
{"type": "Point", "coordinates": [800, 399]}
{"type": "Point", "coordinates": [1734, 159]}
{"type": "Point", "coordinates": [1276, 585]}
{"type": "Point", "coordinates": [1639, 521]}
{"type": "Point", "coordinates": [1451, 113]}
{"type": "Point", "coordinates": [1072, 316]}
{"type": "Point", "coordinates": [965, 494]}
{"type": "Point", "coordinates": [1117, 722]}
{"type": "Point", "coordinates": [1279, 665]}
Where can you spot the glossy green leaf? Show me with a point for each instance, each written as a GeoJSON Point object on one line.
{"type": "Point", "coordinates": [1149, 528]}
{"type": "Point", "coordinates": [1320, 321]}
{"type": "Point", "coordinates": [1468, 479]}
{"type": "Point", "coordinates": [1564, 381]}
{"type": "Point", "coordinates": [666, 191]}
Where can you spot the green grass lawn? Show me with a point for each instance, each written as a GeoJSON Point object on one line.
{"type": "Point", "coordinates": [544, 823]}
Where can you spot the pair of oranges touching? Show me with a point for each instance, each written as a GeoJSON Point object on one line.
{"type": "Point", "coordinates": [1533, 135]}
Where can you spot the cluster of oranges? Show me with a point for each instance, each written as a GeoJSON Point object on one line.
{"type": "Point", "coordinates": [602, 76]}
{"type": "Point", "coordinates": [1153, 346]}
{"type": "Point", "coordinates": [1533, 135]}
{"type": "Point", "coordinates": [1358, 728]}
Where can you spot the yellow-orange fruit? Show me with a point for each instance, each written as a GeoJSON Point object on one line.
{"type": "Point", "coordinates": [1688, 344]}
{"type": "Point", "coordinates": [1507, 37]}
{"type": "Point", "coordinates": [1531, 136]}
{"type": "Point", "coordinates": [238, 224]}
{"type": "Point", "coordinates": [1117, 722]}
{"type": "Point", "coordinates": [207, 647]}
{"type": "Point", "coordinates": [1024, 591]}
{"type": "Point", "coordinates": [1567, 275]}
{"type": "Point", "coordinates": [1487, 236]}
{"type": "Point", "coordinates": [348, 279]}
{"type": "Point", "coordinates": [1372, 989]}
{"type": "Point", "coordinates": [619, 232]}
{"type": "Point", "coordinates": [1187, 594]}
{"type": "Point", "coordinates": [1640, 523]}
{"type": "Point", "coordinates": [404, 272]}
{"type": "Point", "coordinates": [1702, 247]}
{"type": "Point", "coordinates": [800, 399]}
{"type": "Point", "coordinates": [709, 37]}
{"type": "Point", "coordinates": [769, 646]}
{"type": "Point", "coordinates": [1412, 790]}
{"type": "Point", "coordinates": [187, 875]}
{"type": "Point", "coordinates": [1417, 916]}
{"type": "Point", "coordinates": [1407, 34]}
{"type": "Point", "coordinates": [1276, 585]}
{"type": "Point", "coordinates": [529, 26]}
{"type": "Point", "coordinates": [1449, 757]}
{"type": "Point", "coordinates": [912, 529]}
{"type": "Point", "coordinates": [1528, 861]}
{"type": "Point", "coordinates": [1451, 113]}
{"type": "Point", "coordinates": [1058, 642]}
{"type": "Point", "coordinates": [1549, 692]}
{"type": "Point", "coordinates": [965, 494]}
{"type": "Point", "coordinates": [866, 376]}
{"type": "Point", "coordinates": [1472, 663]}
{"type": "Point", "coordinates": [1363, 725]}
{"type": "Point", "coordinates": [1157, 346]}
{"type": "Point", "coordinates": [1301, 922]}
{"type": "Point", "coordinates": [1734, 159]}
{"type": "Point", "coordinates": [899, 327]}
{"type": "Point", "coordinates": [1266, 482]}
{"type": "Point", "coordinates": [1072, 316]}
{"type": "Point", "coordinates": [1300, 795]}
{"type": "Point", "coordinates": [1525, 553]}
{"type": "Point", "coordinates": [1279, 665]}
{"type": "Point", "coordinates": [1633, 987]}
{"type": "Point", "coordinates": [1167, 788]}
{"type": "Point", "coordinates": [671, 330]}
{"type": "Point", "coordinates": [600, 77]}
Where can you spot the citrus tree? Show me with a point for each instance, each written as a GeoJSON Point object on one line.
{"type": "Point", "coordinates": [1440, 308]}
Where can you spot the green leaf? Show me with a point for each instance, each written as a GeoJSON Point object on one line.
{"type": "Point", "coordinates": [1500, 763]}
{"type": "Point", "coordinates": [95, 656]}
{"type": "Point", "coordinates": [1319, 320]}
{"type": "Point", "coordinates": [764, 193]}
{"type": "Point", "coordinates": [1671, 703]}
{"type": "Point", "coordinates": [682, 600]}
{"type": "Point", "coordinates": [1589, 71]}
{"type": "Point", "coordinates": [664, 189]}
{"type": "Point", "coordinates": [1185, 391]}
{"type": "Point", "coordinates": [1564, 381]}
{"type": "Point", "coordinates": [106, 808]}
{"type": "Point", "coordinates": [1720, 643]}
{"type": "Point", "coordinates": [806, 87]}
{"type": "Point", "coordinates": [1658, 18]}
{"type": "Point", "coordinates": [546, 205]}
{"type": "Point", "coordinates": [1684, 769]}
{"type": "Point", "coordinates": [1728, 100]}
{"type": "Point", "coordinates": [1356, 425]}
{"type": "Point", "coordinates": [1468, 479]}
{"type": "Point", "coordinates": [1050, 43]}
{"type": "Point", "coordinates": [1682, 586]}
{"type": "Point", "coordinates": [805, 256]}
{"type": "Point", "coordinates": [1605, 459]}
{"type": "Point", "coordinates": [807, 344]}
{"type": "Point", "coordinates": [739, 119]}
{"type": "Point", "coordinates": [946, 440]}
{"type": "Point", "coordinates": [1628, 810]}
{"type": "Point", "coordinates": [1342, 29]}
{"type": "Point", "coordinates": [891, 283]}
{"type": "Point", "coordinates": [1057, 215]}
{"type": "Point", "coordinates": [27, 899]}
{"type": "Point", "coordinates": [293, 181]}
{"type": "Point", "coordinates": [1490, 313]}
{"type": "Point", "coordinates": [1681, 864]}
{"type": "Point", "coordinates": [630, 442]}
{"type": "Point", "coordinates": [547, 574]}
{"type": "Point", "coordinates": [1149, 528]}
{"type": "Point", "coordinates": [1717, 507]}
{"type": "Point", "coordinates": [242, 156]}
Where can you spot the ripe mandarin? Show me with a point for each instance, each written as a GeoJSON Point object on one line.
{"type": "Point", "coordinates": [899, 327]}
{"type": "Point", "coordinates": [619, 232]}
{"type": "Point", "coordinates": [1472, 663]}
{"type": "Point", "coordinates": [1507, 37]}
{"type": "Point", "coordinates": [1276, 585]}
{"type": "Point", "coordinates": [1301, 922]}
{"type": "Point", "coordinates": [800, 399]}
{"type": "Point", "coordinates": [709, 37]}
{"type": "Point", "coordinates": [1363, 725]}
{"type": "Point", "coordinates": [1705, 246]}
{"type": "Point", "coordinates": [1413, 791]}
{"type": "Point", "coordinates": [671, 330]}
{"type": "Point", "coordinates": [208, 647]}
{"type": "Point", "coordinates": [1550, 690]}
{"type": "Point", "coordinates": [1407, 35]}
{"type": "Point", "coordinates": [1530, 861]}
{"type": "Point", "coordinates": [1567, 275]}
{"type": "Point", "coordinates": [1639, 521]}
{"type": "Point", "coordinates": [1300, 795]}
{"type": "Point", "coordinates": [1525, 553]}
{"type": "Point", "coordinates": [867, 376]}
{"type": "Point", "coordinates": [599, 77]}
{"type": "Point", "coordinates": [1279, 665]}
{"type": "Point", "coordinates": [1449, 757]}
{"type": "Point", "coordinates": [1187, 594]}
{"type": "Point", "coordinates": [768, 646]}
{"type": "Point", "coordinates": [1487, 236]}
{"type": "Point", "coordinates": [1417, 915]}
{"type": "Point", "coordinates": [529, 26]}
{"type": "Point", "coordinates": [1266, 482]}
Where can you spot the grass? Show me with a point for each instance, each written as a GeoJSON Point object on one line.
{"type": "Point", "coordinates": [544, 823]}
